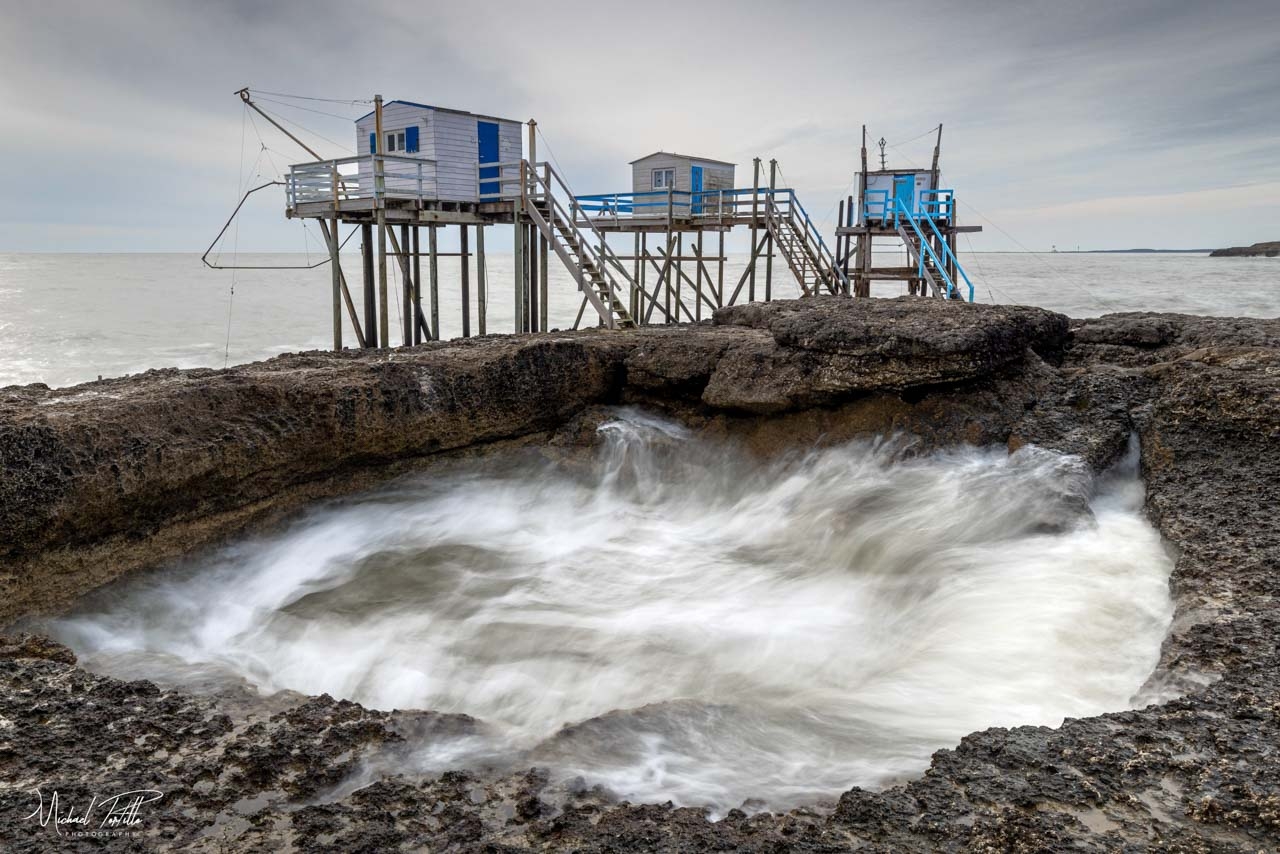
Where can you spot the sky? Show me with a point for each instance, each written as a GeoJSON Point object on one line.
{"type": "Point", "coordinates": [1095, 124]}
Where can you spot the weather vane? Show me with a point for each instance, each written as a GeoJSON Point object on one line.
{"type": "Point", "coordinates": [882, 144]}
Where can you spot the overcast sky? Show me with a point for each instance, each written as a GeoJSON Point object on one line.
{"type": "Point", "coordinates": [1100, 124]}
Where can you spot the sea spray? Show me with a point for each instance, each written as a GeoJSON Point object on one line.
{"type": "Point", "coordinates": [679, 620]}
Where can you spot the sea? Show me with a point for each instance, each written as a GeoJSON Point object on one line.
{"type": "Point", "coordinates": [71, 318]}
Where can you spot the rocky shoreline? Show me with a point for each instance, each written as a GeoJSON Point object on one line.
{"type": "Point", "coordinates": [118, 476]}
{"type": "Point", "coordinates": [1258, 250]}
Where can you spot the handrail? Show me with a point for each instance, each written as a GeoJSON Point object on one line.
{"type": "Point", "coordinates": [901, 209]}
{"type": "Point", "coordinates": [542, 184]}
{"type": "Point", "coordinates": [947, 253]}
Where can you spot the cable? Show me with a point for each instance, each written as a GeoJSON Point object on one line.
{"type": "Point", "coordinates": [894, 145]}
{"type": "Point", "coordinates": [307, 129]}
{"type": "Point", "coordinates": [311, 98]}
{"type": "Point", "coordinates": [226, 347]}
{"type": "Point", "coordinates": [307, 109]}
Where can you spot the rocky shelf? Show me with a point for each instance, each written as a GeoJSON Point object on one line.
{"type": "Point", "coordinates": [118, 476]}
{"type": "Point", "coordinates": [1257, 250]}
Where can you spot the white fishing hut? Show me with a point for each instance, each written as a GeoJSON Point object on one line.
{"type": "Point", "coordinates": [683, 173]}
{"type": "Point", "coordinates": [450, 145]}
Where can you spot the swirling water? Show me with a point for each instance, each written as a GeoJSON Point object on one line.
{"type": "Point", "coordinates": [673, 618]}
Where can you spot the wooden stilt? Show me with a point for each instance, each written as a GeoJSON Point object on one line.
{"type": "Point", "coordinates": [465, 260]}
{"type": "Point", "coordinates": [418, 320]}
{"type": "Point", "coordinates": [482, 281]}
{"type": "Point", "coordinates": [346, 292]}
{"type": "Point", "coordinates": [336, 263]}
{"type": "Point", "coordinates": [518, 264]}
{"type": "Point", "coordinates": [534, 269]}
{"type": "Point", "coordinates": [407, 285]}
{"type": "Point", "coordinates": [370, 301]}
{"type": "Point", "coordinates": [720, 271]}
{"type": "Point", "coordinates": [697, 306]}
{"type": "Point", "coordinates": [768, 259]}
{"type": "Point", "coordinates": [755, 218]}
{"type": "Point", "coordinates": [544, 306]}
{"type": "Point", "coordinates": [433, 265]}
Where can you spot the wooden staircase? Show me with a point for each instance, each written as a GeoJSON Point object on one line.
{"type": "Point", "coordinates": [601, 277]}
{"type": "Point", "coordinates": [802, 249]}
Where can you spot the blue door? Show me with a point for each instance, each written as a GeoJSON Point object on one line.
{"type": "Point", "coordinates": [695, 185]}
{"type": "Point", "coordinates": [904, 190]}
{"type": "Point", "coordinates": [487, 151]}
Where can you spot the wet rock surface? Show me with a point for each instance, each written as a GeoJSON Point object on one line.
{"type": "Point", "coordinates": [138, 459]}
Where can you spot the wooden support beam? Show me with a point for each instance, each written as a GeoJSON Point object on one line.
{"type": "Point", "coordinates": [768, 258]}
{"type": "Point", "coordinates": [482, 281]}
{"type": "Point", "coordinates": [720, 273]}
{"type": "Point", "coordinates": [660, 284]}
{"type": "Point", "coordinates": [370, 300]}
{"type": "Point", "coordinates": [544, 306]}
{"type": "Point", "coordinates": [749, 272]}
{"type": "Point", "coordinates": [433, 269]}
{"type": "Point", "coordinates": [697, 305]}
{"type": "Point", "coordinates": [518, 232]}
{"type": "Point", "coordinates": [465, 263]}
{"type": "Point", "coordinates": [346, 292]}
{"type": "Point", "coordinates": [418, 321]}
{"type": "Point", "coordinates": [406, 286]}
{"type": "Point", "coordinates": [402, 255]}
{"type": "Point", "coordinates": [755, 217]}
{"type": "Point", "coordinates": [534, 269]}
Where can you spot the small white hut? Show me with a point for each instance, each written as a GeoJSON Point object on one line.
{"type": "Point", "coordinates": [663, 170]}
{"type": "Point", "coordinates": [449, 143]}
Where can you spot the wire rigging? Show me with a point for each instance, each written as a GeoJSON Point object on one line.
{"type": "Point", "coordinates": [311, 97]}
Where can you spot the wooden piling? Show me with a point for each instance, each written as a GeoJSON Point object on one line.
{"type": "Point", "coordinates": [433, 269]}
{"type": "Point", "coordinates": [755, 217]}
{"type": "Point", "coordinates": [534, 269]}
{"type": "Point", "coordinates": [406, 268]}
{"type": "Point", "coordinates": [464, 259]}
{"type": "Point", "coordinates": [544, 307]}
{"type": "Point", "coordinates": [720, 271]}
{"type": "Point", "coordinates": [418, 320]}
{"type": "Point", "coordinates": [370, 302]}
{"type": "Point", "coordinates": [768, 259]}
{"type": "Point", "coordinates": [482, 281]}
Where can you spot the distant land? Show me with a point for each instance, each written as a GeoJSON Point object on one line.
{"type": "Point", "coordinates": [1257, 250]}
{"type": "Point", "coordinates": [1148, 251]}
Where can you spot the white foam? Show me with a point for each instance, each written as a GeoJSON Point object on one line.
{"type": "Point", "coordinates": [716, 628]}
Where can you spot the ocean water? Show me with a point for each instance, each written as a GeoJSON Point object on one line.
{"type": "Point", "coordinates": [709, 628]}
{"type": "Point", "coordinates": [69, 318]}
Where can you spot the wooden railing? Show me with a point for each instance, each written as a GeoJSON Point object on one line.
{"type": "Point", "coordinates": [368, 176]}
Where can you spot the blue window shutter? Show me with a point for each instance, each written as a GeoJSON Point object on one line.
{"type": "Point", "coordinates": [411, 138]}
{"type": "Point", "coordinates": [373, 143]}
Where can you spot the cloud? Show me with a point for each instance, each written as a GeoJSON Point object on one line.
{"type": "Point", "coordinates": [122, 132]}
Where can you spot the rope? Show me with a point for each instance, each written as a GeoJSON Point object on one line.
{"type": "Point", "coordinates": [305, 109]}
{"type": "Point", "coordinates": [226, 347]}
{"type": "Point", "coordinates": [986, 282]}
{"type": "Point", "coordinates": [311, 98]}
{"type": "Point", "coordinates": [931, 130]}
{"type": "Point", "coordinates": [306, 129]}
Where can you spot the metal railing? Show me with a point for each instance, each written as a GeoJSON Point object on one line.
{"type": "Point", "coordinates": [936, 205]}
{"type": "Point", "coordinates": [925, 249]}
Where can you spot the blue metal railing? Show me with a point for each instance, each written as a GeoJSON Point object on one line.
{"type": "Point", "coordinates": [926, 250]}
{"type": "Point", "coordinates": [936, 205]}
{"type": "Point", "coordinates": [717, 204]}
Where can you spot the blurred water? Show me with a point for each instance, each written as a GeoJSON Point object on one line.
{"type": "Point", "coordinates": [68, 318]}
{"type": "Point", "coordinates": [678, 619]}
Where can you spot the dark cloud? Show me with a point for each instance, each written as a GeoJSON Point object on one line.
{"type": "Point", "coordinates": [121, 130]}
